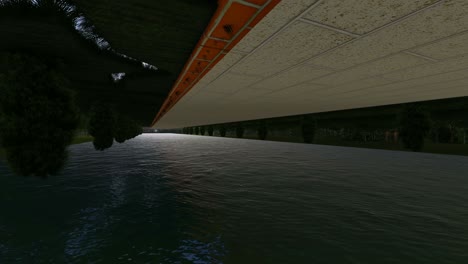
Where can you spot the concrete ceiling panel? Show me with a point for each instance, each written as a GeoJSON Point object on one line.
{"type": "Point", "coordinates": [374, 68]}
{"type": "Point", "coordinates": [284, 12]}
{"type": "Point", "coordinates": [457, 63]}
{"type": "Point", "coordinates": [415, 51]}
{"type": "Point", "coordinates": [360, 84]}
{"type": "Point", "coordinates": [446, 48]}
{"type": "Point", "coordinates": [230, 83]}
{"type": "Point", "coordinates": [228, 61]}
{"type": "Point", "coordinates": [300, 91]}
{"type": "Point", "coordinates": [291, 77]}
{"type": "Point", "coordinates": [398, 91]}
{"type": "Point", "coordinates": [361, 17]}
{"type": "Point", "coordinates": [297, 43]}
{"type": "Point", "coordinates": [244, 95]}
{"type": "Point", "coordinates": [426, 26]}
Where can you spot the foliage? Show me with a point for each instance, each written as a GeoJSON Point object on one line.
{"type": "Point", "coordinates": [2, 153]}
{"type": "Point", "coordinates": [102, 124]}
{"type": "Point", "coordinates": [202, 130]}
{"type": "Point", "coordinates": [444, 133]}
{"type": "Point", "coordinates": [49, 28]}
{"type": "Point", "coordinates": [414, 126]}
{"type": "Point", "coordinates": [126, 129]}
{"type": "Point", "coordinates": [222, 130]}
{"type": "Point", "coordinates": [136, 37]}
{"type": "Point", "coordinates": [239, 130]}
{"type": "Point", "coordinates": [210, 130]}
{"type": "Point", "coordinates": [196, 130]}
{"type": "Point", "coordinates": [262, 130]}
{"type": "Point", "coordinates": [308, 128]}
{"type": "Point", "coordinates": [447, 132]}
{"type": "Point", "coordinates": [38, 115]}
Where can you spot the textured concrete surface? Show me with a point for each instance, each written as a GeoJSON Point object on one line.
{"type": "Point", "coordinates": [316, 56]}
{"type": "Point", "coordinates": [363, 16]}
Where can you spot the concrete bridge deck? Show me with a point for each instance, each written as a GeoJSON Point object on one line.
{"type": "Point", "coordinates": [261, 58]}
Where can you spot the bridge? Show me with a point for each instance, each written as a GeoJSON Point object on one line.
{"type": "Point", "coordinates": [269, 58]}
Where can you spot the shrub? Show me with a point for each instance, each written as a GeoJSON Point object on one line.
{"type": "Point", "coordinates": [126, 129]}
{"type": "Point", "coordinates": [102, 124]}
{"type": "Point", "coordinates": [445, 133]}
{"type": "Point", "coordinates": [262, 130]}
{"type": "Point", "coordinates": [308, 127]}
{"type": "Point", "coordinates": [239, 130]}
{"type": "Point", "coordinates": [414, 126]}
{"type": "Point", "coordinates": [222, 130]}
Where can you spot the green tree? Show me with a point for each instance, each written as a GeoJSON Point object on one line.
{"type": "Point", "coordinates": [308, 127]}
{"type": "Point", "coordinates": [239, 130]}
{"type": "Point", "coordinates": [415, 124]}
{"type": "Point", "coordinates": [202, 130]}
{"type": "Point", "coordinates": [262, 130]}
{"type": "Point", "coordinates": [196, 130]}
{"type": "Point", "coordinates": [102, 123]}
{"type": "Point", "coordinates": [38, 116]}
{"type": "Point", "coordinates": [210, 130]}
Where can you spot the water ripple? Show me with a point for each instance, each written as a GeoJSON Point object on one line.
{"type": "Point", "coordinates": [193, 199]}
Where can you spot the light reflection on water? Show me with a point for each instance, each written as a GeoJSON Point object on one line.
{"type": "Point", "coordinates": [190, 199]}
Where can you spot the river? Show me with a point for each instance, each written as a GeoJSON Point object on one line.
{"type": "Point", "coordinates": [164, 198]}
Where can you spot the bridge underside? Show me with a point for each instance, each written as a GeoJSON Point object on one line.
{"type": "Point", "coordinates": [309, 56]}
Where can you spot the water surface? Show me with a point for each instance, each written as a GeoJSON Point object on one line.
{"type": "Point", "coordinates": [164, 198]}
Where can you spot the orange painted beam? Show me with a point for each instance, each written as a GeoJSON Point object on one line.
{"type": "Point", "coordinates": [227, 27]}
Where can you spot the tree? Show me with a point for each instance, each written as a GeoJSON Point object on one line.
{"type": "Point", "coordinates": [308, 127]}
{"type": "Point", "coordinates": [102, 123]}
{"type": "Point", "coordinates": [38, 115]}
{"type": "Point", "coordinates": [444, 133]}
{"type": "Point", "coordinates": [414, 126]}
{"type": "Point", "coordinates": [239, 130]}
{"type": "Point", "coordinates": [202, 130]}
{"type": "Point", "coordinates": [196, 130]}
{"type": "Point", "coordinates": [210, 130]}
{"type": "Point", "coordinates": [122, 129]}
{"type": "Point", "coordinates": [262, 130]}
{"type": "Point", "coordinates": [126, 129]}
{"type": "Point", "coordinates": [222, 130]}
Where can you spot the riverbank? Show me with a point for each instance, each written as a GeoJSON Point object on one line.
{"type": "Point", "coordinates": [81, 139]}
{"type": "Point", "coordinates": [429, 147]}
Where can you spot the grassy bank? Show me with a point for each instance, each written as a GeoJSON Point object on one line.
{"type": "Point", "coordinates": [81, 139]}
